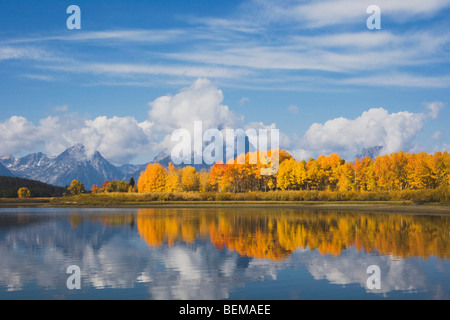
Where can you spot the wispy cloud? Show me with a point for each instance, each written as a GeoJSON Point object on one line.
{"type": "Point", "coordinates": [40, 77]}
{"type": "Point", "coordinates": [399, 80]}
{"type": "Point", "coordinates": [148, 69]}
{"type": "Point", "coordinates": [245, 49]}
{"type": "Point", "coordinates": [324, 13]}
{"type": "Point", "coordinates": [22, 53]}
{"type": "Point", "coordinates": [141, 36]}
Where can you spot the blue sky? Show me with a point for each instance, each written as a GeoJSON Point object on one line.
{"type": "Point", "coordinates": [137, 70]}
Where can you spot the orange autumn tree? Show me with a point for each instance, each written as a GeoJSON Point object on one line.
{"type": "Point", "coordinates": [219, 177]}
{"type": "Point", "coordinates": [153, 179]}
{"type": "Point", "coordinates": [95, 189]}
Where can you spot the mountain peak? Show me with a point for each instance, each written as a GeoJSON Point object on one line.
{"type": "Point", "coordinates": [77, 148]}
{"type": "Point", "coordinates": [372, 152]}
{"type": "Point", "coordinates": [7, 157]}
{"type": "Point", "coordinates": [79, 153]}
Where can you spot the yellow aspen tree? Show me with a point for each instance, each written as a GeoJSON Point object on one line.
{"type": "Point", "coordinates": [173, 179]}
{"type": "Point", "coordinates": [190, 179]}
{"type": "Point", "coordinates": [23, 193]}
{"type": "Point", "coordinates": [153, 179]}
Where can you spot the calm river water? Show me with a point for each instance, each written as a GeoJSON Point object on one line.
{"type": "Point", "coordinates": [250, 253]}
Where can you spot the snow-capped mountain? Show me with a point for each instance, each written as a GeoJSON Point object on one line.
{"type": "Point", "coordinates": [30, 166]}
{"type": "Point", "coordinates": [74, 163]}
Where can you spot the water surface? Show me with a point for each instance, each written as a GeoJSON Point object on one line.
{"type": "Point", "coordinates": [222, 254]}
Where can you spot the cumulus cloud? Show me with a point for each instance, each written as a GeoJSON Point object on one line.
{"type": "Point", "coordinates": [17, 134]}
{"type": "Point", "coordinates": [375, 127]}
{"type": "Point", "coordinates": [118, 139]}
{"type": "Point", "coordinates": [202, 101]}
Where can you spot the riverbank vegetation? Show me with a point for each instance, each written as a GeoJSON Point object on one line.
{"type": "Point", "coordinates": [441, 196]}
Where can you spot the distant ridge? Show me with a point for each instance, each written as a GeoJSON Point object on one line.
{"type": "Point", "coordinates": [10, 185]}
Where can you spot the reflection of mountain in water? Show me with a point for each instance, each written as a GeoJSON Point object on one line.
{"type": "Point", "coordinates": [277, 236]}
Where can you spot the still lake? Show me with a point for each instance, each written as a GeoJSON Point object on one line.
{"type": "Point", "coordinates": [230, 253]}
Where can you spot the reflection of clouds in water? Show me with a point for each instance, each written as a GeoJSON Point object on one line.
{"type": "Point", "coordinates": [351, 268]}
{"type": "Point", "coordinates": [117, 264]}
{"type": "Point", "coordinates": [195, 273]}
{"type": "Point", "coordinates": [117, 258]}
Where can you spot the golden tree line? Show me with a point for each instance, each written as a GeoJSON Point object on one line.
{"type": "Point", "coordinates": [397, 171]}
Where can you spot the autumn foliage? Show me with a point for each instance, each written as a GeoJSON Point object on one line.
{"type": "Point", "coordinates": [24, 193]}
{"type": "Point", "coordinates": [394, 172]}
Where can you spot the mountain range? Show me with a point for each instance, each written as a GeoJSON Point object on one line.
{"type": "Point", "coordinates": [73, 163]}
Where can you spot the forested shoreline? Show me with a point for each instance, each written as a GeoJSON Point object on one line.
{"type": "Point", "coordinates": [416, 177]}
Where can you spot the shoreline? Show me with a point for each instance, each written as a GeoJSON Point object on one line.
{"type": "Point", "coordinates": [404, 207]}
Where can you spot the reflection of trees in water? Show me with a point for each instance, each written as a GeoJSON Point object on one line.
{"type": "Point", "coordinates": [107, 220]}
{"type": "Point", "coordinates": [276, 234]}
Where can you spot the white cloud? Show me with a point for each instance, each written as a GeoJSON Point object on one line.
{"type": "Point", "coordinates": [316, 14]}
{"type": "Point", "coordinates": [119, 139]}
{"type": "Point", "coordinates": [202, 101]}
{"type": "Point", "coordinates": [39, 77]}
{"type": "Point", "coordinates": [8, 53]}
{"type": "Point", "coordinates": [399, 80]}
{"type": "Point", "coordinates": [435, 108]}
{"type": "Point", "coordinates": [116, 138]}
{"type": "Point", "coordinates": [243, 100]}
{"type": "Point", "coordinates": [18, 134]}
{"type": "Point", "coordinates": [347, 137]}
{"type": "Point", "coordinates": [130, 69]}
